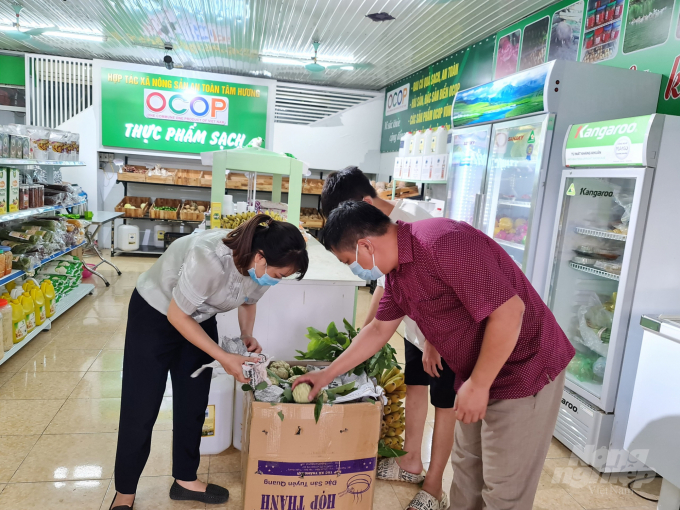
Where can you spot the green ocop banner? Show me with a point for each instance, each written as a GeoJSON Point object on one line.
{"type": "Point", "coordinates": [423, 99]}
{"type": "Point", "coordinates": [608, 143]}
{"type": "Point", "coordinates": [179, 114]}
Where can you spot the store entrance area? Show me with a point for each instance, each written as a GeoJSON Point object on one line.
{"type": "Point", "coordinates": [59, 410]}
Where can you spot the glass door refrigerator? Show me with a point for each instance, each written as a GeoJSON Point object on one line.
{"type": "Point", "coordinates": [609, 263]}
{"type": "Point", "coordinates": [504, 171]}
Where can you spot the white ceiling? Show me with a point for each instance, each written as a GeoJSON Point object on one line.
{"type": "Point", "coordinates": [228, 36]}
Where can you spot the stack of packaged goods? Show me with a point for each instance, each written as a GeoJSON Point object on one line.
{"type": "Point", "coordinates": [64, 274]}
{"type": "Point", "coordinates": [24, 306]}
{"type": "Point", "coordinates": [35, 239]}
{"type": "Point", "coordinates": [393, 423]}
{"type": "Point", "coordinates": [40, 143]}
{"type": "Point", "coordinates": [19, 192]}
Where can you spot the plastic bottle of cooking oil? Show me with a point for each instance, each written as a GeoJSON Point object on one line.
{"type": "Point", "coordinates": [410, 144]}
{"type": "Point", "coordinates": [39, 303]}
{"type": "Point", "coordinates": [48, 293]}
{"type": "Point", "coordinates": [438, 143]}
{"type": "Point", "coordinates": [29, 311]}
{"type": "Point", "coordinates": [428, 138]}
{"type": "Point", "coordinates": [19, 330]}
{"type": "Point", "coordinates": [404, 144]}
{"type": "Point", "coordinates": [419, 143]}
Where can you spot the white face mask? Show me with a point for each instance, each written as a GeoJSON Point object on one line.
{"type": "Point", "coordinates": [367, 274]}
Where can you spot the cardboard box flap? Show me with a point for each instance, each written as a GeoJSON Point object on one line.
{"type": "Point", "coordinates": [341, 431]}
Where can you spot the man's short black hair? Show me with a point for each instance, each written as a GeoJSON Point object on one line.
{"type": "Point", "coordinates": [349, 183]}
{"type": "Point", "coordinates": [351, 221]}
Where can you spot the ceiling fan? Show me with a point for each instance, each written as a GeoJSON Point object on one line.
{"type": "Point", "coordinates": [315, 67]}
{"type": "Point", "coordinates": [25, 35]}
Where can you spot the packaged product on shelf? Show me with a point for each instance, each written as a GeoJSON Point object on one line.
{"type": "Point", "coordinates": [5, 260]}
{"type": "Point", "coordinates": [4, 185]}
{"type": "Point", "coordinates": [610, 267]}
{"type": "Point", "coordinates": [29, 310]}
{"type": "Point", "coordinates": [39, 138]}
{"type": "Point", "coordinates": [58, 140]}
{"type": "Point", "coordinates": [18, 248]}
{"type": "Point", "coordinates": [18, 236]}
{"type": "Point", "coordinates": [48, 291]}
{"type": "Point", "coordinates": [4, 142]}
{"type": "Point", "coordinates": [6, 317]}
{"type": "Point", "coordinates": [14, 180]}
{"type": "Point", "coordinates": [19, 330]}
{"type": "Point", "coordinates": [24, 196]}
{"type": "Point", "coordinates": [73, 146]}
{"type": "Point", "coordinates": [22, 263]}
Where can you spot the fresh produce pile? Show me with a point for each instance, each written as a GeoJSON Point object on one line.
{"type": "Point", "coordinates": [234, 220]}
{"type": "Point", "coordinates": [164, 208]}
{"type": "Point", "coordinates": [193, 207]}
{"type": "Point", "coordinates": [130, 206]}
{"type": "Point", "coordinates": [393, 420]}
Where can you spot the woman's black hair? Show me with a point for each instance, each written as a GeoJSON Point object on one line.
{"type": "Point", "coordinates": [279, 242]}
{"type": "Point", "coordinates": [350, 183]}
{"type": "Point", "coordinates": [351, 221]}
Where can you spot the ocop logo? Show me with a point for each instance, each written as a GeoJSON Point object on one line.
{"type": "Point", "coordinates": [187, 107]}
{"type": "Point", "coordinates": [621, 129]}
{"type": "Point", "coordinates": [397, 99]}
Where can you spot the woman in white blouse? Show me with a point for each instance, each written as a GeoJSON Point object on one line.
{"type": "Point", "coordinates": [171, 328]}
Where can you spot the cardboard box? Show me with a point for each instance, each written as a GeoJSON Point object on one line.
{"type": "Point", "coordinates": [13, 189]}
{"type": "Point", "coordinates": [295, 463]}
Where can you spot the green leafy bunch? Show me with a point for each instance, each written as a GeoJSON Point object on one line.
{"type": "Point", "coordinates": [331, 344]}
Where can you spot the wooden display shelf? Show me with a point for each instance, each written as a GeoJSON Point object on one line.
{"type": "Point", "coordinates": [409, 191]}
{"type": "Point", "coordinates": [137, 202]}
{"type": "Point", "coordinates": [189, 177]}
{"type": "Point", "coordinates": [159, 179]}
{"type": "Point", "coordinates": [165, 215]}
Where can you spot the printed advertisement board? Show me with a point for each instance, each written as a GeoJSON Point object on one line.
{"type": "Point", "coordinates": [175, 113]}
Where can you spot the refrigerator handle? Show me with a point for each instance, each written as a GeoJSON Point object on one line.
{"type": "Point", "coordinates": [478, 204]}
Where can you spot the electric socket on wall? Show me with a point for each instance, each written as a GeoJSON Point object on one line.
{"type": "Point", "coordinates": [106, 157]}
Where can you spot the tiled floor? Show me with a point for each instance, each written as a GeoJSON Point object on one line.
{"type": "Point", "coordinates": [59, 401]}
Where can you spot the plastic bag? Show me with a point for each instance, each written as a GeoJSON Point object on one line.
{"type": "Point", "coordinates": [624, 201]}
{"type": "Point", "coordinates": [594, 324]}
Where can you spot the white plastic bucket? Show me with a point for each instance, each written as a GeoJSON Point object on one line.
{"type": "Point", "coordinates": [159, 230]}
{"type": "Point", "coordinates": [127, 238]}
{"type": "Point", "coordinates": [404, 144]}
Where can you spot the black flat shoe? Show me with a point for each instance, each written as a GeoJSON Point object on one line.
{"type": "Point", "coordinates": [213, 495]}
{"type": "Point", "coordinates": [121, 507]}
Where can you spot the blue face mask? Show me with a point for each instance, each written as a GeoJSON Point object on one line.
{"type": "Point", "coordinates": [365, 274]}
{"type": "Point", "coordinates": [265, 279]}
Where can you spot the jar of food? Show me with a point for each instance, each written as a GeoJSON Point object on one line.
{"type": "Point", "coordinates": [590, 20]}
{"type": "Point", "coordinates": [3, 261]}
{"type": "Point", "coordinates": [597, 38]}
{"type": "Point", "coordinates": [589, 40]}
{"type": "Point", "coordinates": [597, 3]}
{"type": "Point", "coordinates": [32, 196]}
{"type": "Point", "coordinates": [607, 33]}
{"type": "Point", "coordinates": [618, 11]}
{"type": "Point", "coordinates": [616, 29]}
{"type": "Point", "coordinates": [609, 12]}
{"type": "Point", "coordinates": [24, 192]}
{"type": "Point", "coordinates": [41, 195]}
{"type": "Point", "coordinates": [599, 15]}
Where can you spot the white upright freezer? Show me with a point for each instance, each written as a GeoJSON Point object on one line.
{"type": "Point", "coordinates": [504, 169]}
{"type": "Point", "coordinates": [614, 257]}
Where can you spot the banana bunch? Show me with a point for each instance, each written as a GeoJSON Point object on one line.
{"type": "Point", "coordinates": [393, 420]}
{"type": "Point", "coordinates": [234, 220]}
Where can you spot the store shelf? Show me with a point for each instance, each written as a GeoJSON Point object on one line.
{"type": "Point", "coordinates": [66, 302]}
{"type": "Point", "coordinates": [208, 187]}
{"type": "Point", "coordinates": [146, 218]}
{"type": "Point", "coordinates": [515, 203]}
{"type": "Point", "coordinates": [592, 270]}
{"type": "Point", "coordinates": [601, 233]}
{"type": "Point", "coordinates": [603, 43]}
{"type": "Point", "coordinates": [508, 244]}
{"type": "Point", "coordinates": [602, 25]}
{"type": "Point", "coordinates": [35, 162]}
{"type": "Point", "coordinates": [18, 274]}
{"type": "Point", "coordinates": [593, 387]}
{"type": "Point", "coordinates": [143, 250]}
{"type": "Point", "coordinates": [27, 213]}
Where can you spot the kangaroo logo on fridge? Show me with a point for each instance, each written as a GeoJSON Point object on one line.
{"type": "Point", "coordinates": [397, 99]}
{"type": "Point", "coordinates": [569, 405]}
{"type": "Point", "coordinates": [186, 107]}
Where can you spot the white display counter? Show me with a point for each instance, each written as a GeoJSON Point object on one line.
{"type": "Point", "coordinates": [327, 293]}
{"type": "Point", "coordinates": [654, 423]}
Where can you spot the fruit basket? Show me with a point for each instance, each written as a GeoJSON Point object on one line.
{"type": "Point", "coordinates": [310, 218]}
{"type": "Point", "coordinates": [165, 209]}
{"type": "Point", "coordinates": [191, 210]}
{"type": "Point", "coordinates": [133, 207]}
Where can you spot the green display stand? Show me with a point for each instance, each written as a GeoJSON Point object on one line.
{"type": "Point", "coordinates": [261, 161]}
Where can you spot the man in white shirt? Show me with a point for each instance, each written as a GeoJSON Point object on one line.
{"type": "Point", "coordinates": [424, 366]}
